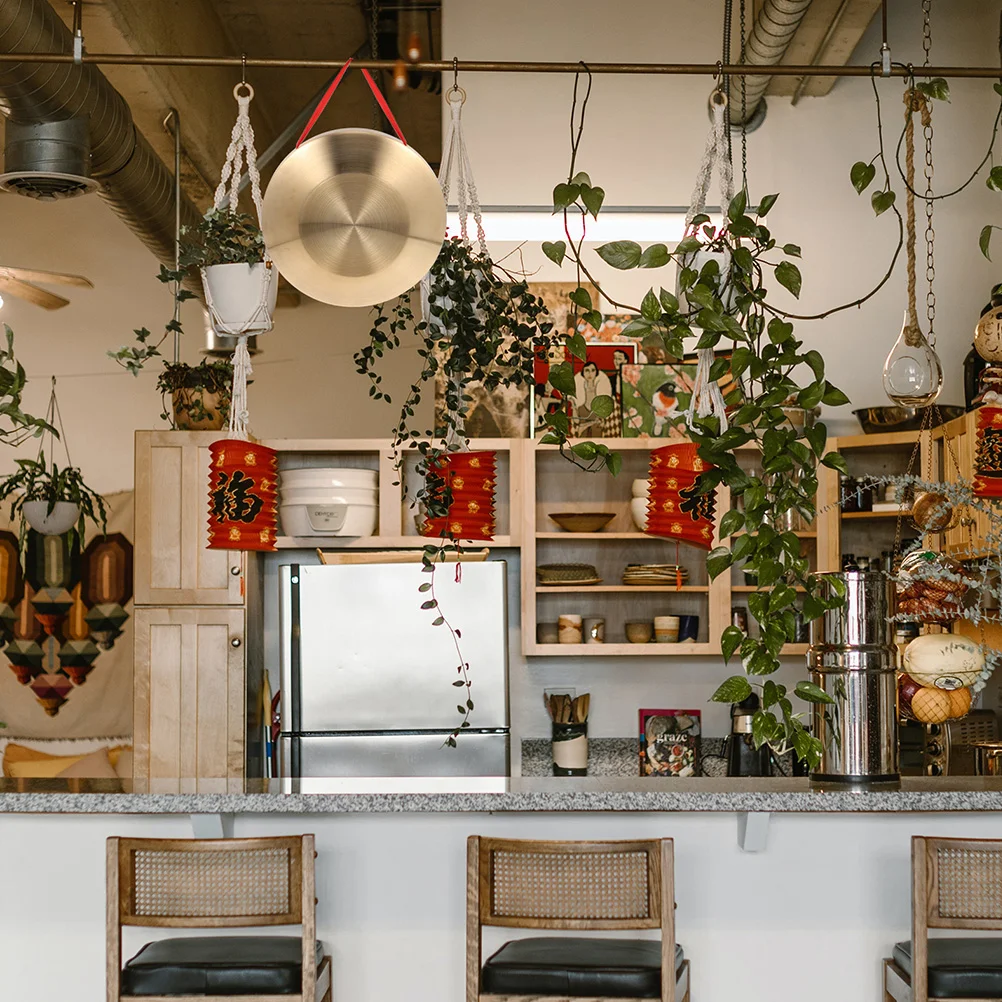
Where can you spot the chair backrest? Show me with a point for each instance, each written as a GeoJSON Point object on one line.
{"type": "Point", "coordinates": [573, 885]}
{"type": "Point", "coordinates": [957, 883]}
{"type": "Point", "coordinates": [198, 883]}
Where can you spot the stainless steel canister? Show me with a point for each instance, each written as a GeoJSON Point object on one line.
{"type": "Point", "coordinates": [852, 658]}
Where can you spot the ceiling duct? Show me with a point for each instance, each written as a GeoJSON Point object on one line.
{"type": "Point", "coordinates": [47, 160]}
{"type": "Point", "coordinates": [133, 179]}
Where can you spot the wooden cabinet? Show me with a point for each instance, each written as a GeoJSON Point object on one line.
{"type": "Point", "coordinates": [189, 693]}
{"type": "Point", "coordinates": [956, 446]}
{"type": "Point", "coordinates": [172, 564]}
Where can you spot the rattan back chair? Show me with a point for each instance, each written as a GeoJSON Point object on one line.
{"type": "Point", "coordinates": [214, 884]}
{"type": "Point", "coordinates": [956, 884]}
{"type": "Point", "coordinates": [571, 886]}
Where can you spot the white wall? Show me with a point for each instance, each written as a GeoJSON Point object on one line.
{"type": "Point", "coordinates": [811, 917]}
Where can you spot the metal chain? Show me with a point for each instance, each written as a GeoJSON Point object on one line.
{"type": "Point", "coordinates": [930, 233]}
{"type": "Point", "coordinates": [744, 107]}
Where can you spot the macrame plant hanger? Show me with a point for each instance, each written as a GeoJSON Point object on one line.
{"type": "Point", "coordinates": [456, 163]}
{"type": "Point", "coordinates": [241, 147]}
{"type": "Point", "coordinates": [707, 400]}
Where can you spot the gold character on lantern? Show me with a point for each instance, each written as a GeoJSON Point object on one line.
{"type": "Point", "coordinates": [458, 483]}
{"type": "Point", "coordinates": [472, 507]}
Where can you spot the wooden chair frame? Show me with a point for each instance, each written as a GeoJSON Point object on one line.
{"type": "Point", "coordinates": [661, 910]}
{"type": "Point", "coordinates": [121, 911]}
{"type": "Point", "coordinates": [926, 915]}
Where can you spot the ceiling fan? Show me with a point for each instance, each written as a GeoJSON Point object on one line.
{"type": "Point", "coordinates": [19, 282]}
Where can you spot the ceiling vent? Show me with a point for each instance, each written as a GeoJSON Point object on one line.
{"type": "Point", "coordinates": [47, 160]}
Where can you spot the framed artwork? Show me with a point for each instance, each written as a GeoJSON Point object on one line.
{"type": "Point", "coordinates": [597, 374]}
{"type": "Point", "coordinates": [669, 742]}
{"type": "Point", "coordinates": [656, 394]}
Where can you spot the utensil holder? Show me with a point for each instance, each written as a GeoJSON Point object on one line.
{"type": "Point", "coordinates": [570, 749]}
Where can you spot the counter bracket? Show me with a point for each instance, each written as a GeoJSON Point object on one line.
{"type": "Point", "coordinates": [211, 825]}
{"type": "Point", "coordinates": [753, 830]}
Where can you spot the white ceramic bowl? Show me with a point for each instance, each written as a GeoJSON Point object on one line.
{"type": "Point", "coordinates": [638, 509]}
{"type": "Point", "coordinates": [331, 477]}
{"type": "Point", "coordinates": [326, 495]}
{"type": "Point", "coordinates": [639, 488]}
{"type": "Point", "coordinates": [329, 519]}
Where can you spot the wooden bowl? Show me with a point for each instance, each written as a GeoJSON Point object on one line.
{"type": "Point", "coordinates": [583, 521]}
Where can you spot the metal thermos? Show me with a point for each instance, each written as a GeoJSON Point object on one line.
{"type": "Point", "coordinates": [852, 658]}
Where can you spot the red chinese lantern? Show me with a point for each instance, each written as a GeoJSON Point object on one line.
{"type": "Point", "coordinates": [243, 507]}
{"type": "Point", "coordinates": [675, 508]}
{"type": "Point", "coordinates": [988, 456]}
{"type": "Point", "coordinates": [471, 477]}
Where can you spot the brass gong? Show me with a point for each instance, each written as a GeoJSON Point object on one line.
{"type": "Point", "coordinates": [353, 217]}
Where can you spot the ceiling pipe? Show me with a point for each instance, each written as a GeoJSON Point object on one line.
{"type": "Point", "coordinates": [135, 182]}
{"type": "Point", "coordinates": [770, 37]}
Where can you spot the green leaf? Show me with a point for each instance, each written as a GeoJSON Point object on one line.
{"type": "Point", "coordinates": [835, 461]}
{"type": "Point", "coordinates": [562, 378]}
{"type": "Point", "coordinates": [788, 276]}
{"type": "Point", "coordinates": [555, 251]}
{"type": "Point", "coordinates": [811, 693]}
{"type": "Point", "coordinates": [937, 88]}
{"type": "Point", "coordinates": [737, 207]}
{"type": "Point", "coordinates": [584, 450]}
{"type": "Point", "coordinates": [984, 240]}
{"type": "Point", "coordinates": [620, 254]}
{"type": "Point", "coordinates": [833, 396]}
{"type": "Point", "coordinates": [717, 561]}
{"type": "Point", "coordinates": [650, 308]}
{"type": "Point", "coordinates": [732, 522]}
{"type": "Point", "coordinates": [580, 297]}
{"type": "Point", "coordinates": [581, 178]}
{"type": "Point", "coordinates": [687, 245]}
{"type": "Point", "coordinates": [577, 346]}
{"type": "Point", "coordinates": [817, 436]}
{"type": "Point", "coordinates": [655, 256]}
{"type": "Point", "coordinates": [592, 317]}
{"type": "Point", "coordinates": [614, 462]}
{"type": "Point", "coordinates": [730, 640]}
{"type": "Point", "coordinates": [602, 406]}
{"type": "Point", "coordinates": [736, 689]}
{"type": "Point", "coordinates": [816, 362]}
{"type": "Point", "coordinates": [668, 302]}
{"type": "Point", "coordinates": [766, 204]}
{"type": "Point", "coordinates": [882, 201]}
{"type": "Point", "coordinates": [994, 179]}
{"type": "Point", "coordinates": [792, 250]}
{"type": "Point", "coordinates": [861, 174]}
{"type": "Point", "coordinates": [997, 88]}
{"type": "Point", "coordinates": [593, 199]}
{"type": "Point", "coordinates": [744, 260]}
{"type": "Point", "coordinates": [565, 195]}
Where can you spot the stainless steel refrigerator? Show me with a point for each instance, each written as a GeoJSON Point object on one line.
{"type": "Point", "coordinates": [367, 680]}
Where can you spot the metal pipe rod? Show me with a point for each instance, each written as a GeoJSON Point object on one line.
{"type": "Point", "coordinates": [175, 119]}
{"type": "Point", "coordinates": [479, 66]}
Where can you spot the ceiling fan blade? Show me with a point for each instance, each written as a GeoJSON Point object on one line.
{"type": "Point", "coordinates": [55, 277]}
{"type": "Point", "coordinates": [31, 293]}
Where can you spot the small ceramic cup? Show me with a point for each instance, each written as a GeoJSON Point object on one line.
{"type": "Point", "coordinates": [594, 630]}
{"type": "Point", "coordinates": [569, 629]}
{"type": "Point", "coordinates": [547, 633]}
{"type": "Point", "coordinates": [639, 633]}
{"type": "Point", "coordinates": [666, 629]}
{"type": "Point", "coordinates": [688, 629]}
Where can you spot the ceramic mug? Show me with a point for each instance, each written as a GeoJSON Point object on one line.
{"type": "Point", "coordinates": [639, 633]}
{"type": "Point", "coordinates": [666, 629]}
{"type": "Point", "coordinates": [688, 629]}
{"type": "Point", "coordinates": [547, 633]}
{"type": "Point", "coordinates": [594, 630]}
{"type": "Point", "coordinates": [569, 629]}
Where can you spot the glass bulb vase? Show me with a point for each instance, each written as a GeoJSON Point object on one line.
{"type": "Point", "coordinates": [913, 374]}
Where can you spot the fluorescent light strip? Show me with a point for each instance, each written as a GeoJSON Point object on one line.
{"type": "Point", "coordinates": [645, 224]}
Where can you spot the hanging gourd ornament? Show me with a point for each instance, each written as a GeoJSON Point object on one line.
{"type": "Point", "coordinates": [944, 661]}
{"type": "Point", "coordinates": [988, 335]}
{"type": "Point", "coordinates": [933, 512]}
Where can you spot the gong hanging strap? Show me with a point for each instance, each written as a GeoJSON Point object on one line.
{"type": "Point", "coordinates": [335, 83]}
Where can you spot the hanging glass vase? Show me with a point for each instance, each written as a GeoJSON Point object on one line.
{"type": "Point", "coordinates": [913, 375]}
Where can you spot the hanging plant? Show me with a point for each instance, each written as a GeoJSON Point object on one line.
{"type": "Point", "coordinates": [200, 394]}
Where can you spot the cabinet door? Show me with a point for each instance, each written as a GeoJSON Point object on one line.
{"type": "Point", "coordinates": [189, 716]}
{"type": "Point", "coordinates": [173, 565]}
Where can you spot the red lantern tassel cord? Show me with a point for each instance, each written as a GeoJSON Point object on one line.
{"type": "Point", "coordinates": [471, 477]}
{"type": "Point", "coordinates": [675, 507]}
{"type": "Point", "coordinates": [243, 509]}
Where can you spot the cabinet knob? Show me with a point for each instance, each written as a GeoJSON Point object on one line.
{"type": "Point", "coordinates": [235, 571]}
{"type": "Point", "coordinates": [235, 642]}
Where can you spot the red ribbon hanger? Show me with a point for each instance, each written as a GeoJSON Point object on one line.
{"type": "Point", "coordinates": [376, 93]}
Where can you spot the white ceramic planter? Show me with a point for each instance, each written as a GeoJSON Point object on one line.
{"type": "Point", "coordinates": [64, 516]}
{"type": "Point", "coordinates": [696, 260]}
{"type": "Point", "coordinates": [236, 292]}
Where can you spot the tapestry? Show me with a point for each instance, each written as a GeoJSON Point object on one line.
{"type": "Point", "coordinates": [65, 613]}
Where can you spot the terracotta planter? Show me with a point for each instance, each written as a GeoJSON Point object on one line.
{"type": "Point", "coordinates": [62, 518]}
{"type": "Point", "coordinates": [198, 409]}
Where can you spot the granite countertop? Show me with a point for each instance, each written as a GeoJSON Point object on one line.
{"type": "Point", "coordinates": [458, 795]}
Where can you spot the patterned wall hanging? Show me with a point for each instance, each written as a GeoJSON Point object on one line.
{"type": "Point", "coordinates": [471, 476]}
{"type": "Point", "coordinates": [62, 610]}
{"type": "Point", "coordinates": [988, 454]}
{"type": "Point", "coordinates": [675, 508]}
{"type": "Point", "coordinates": [243, 508]}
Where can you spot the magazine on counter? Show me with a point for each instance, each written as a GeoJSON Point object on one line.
{"type": "Point", "coordinates": [669, 742]}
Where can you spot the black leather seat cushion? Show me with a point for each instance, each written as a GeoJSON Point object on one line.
{"type": "Point", "coordinates": [959, 968]}
{"type": "Point", "coordinates": [568, 965]}
{"type": "Point", "coordinates": [217, 965]}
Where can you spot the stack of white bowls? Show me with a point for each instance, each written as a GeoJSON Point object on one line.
{"type": "Point", "coordinates": [638, 503]}
{"type": "Point", "coordinates": [329, 502]}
